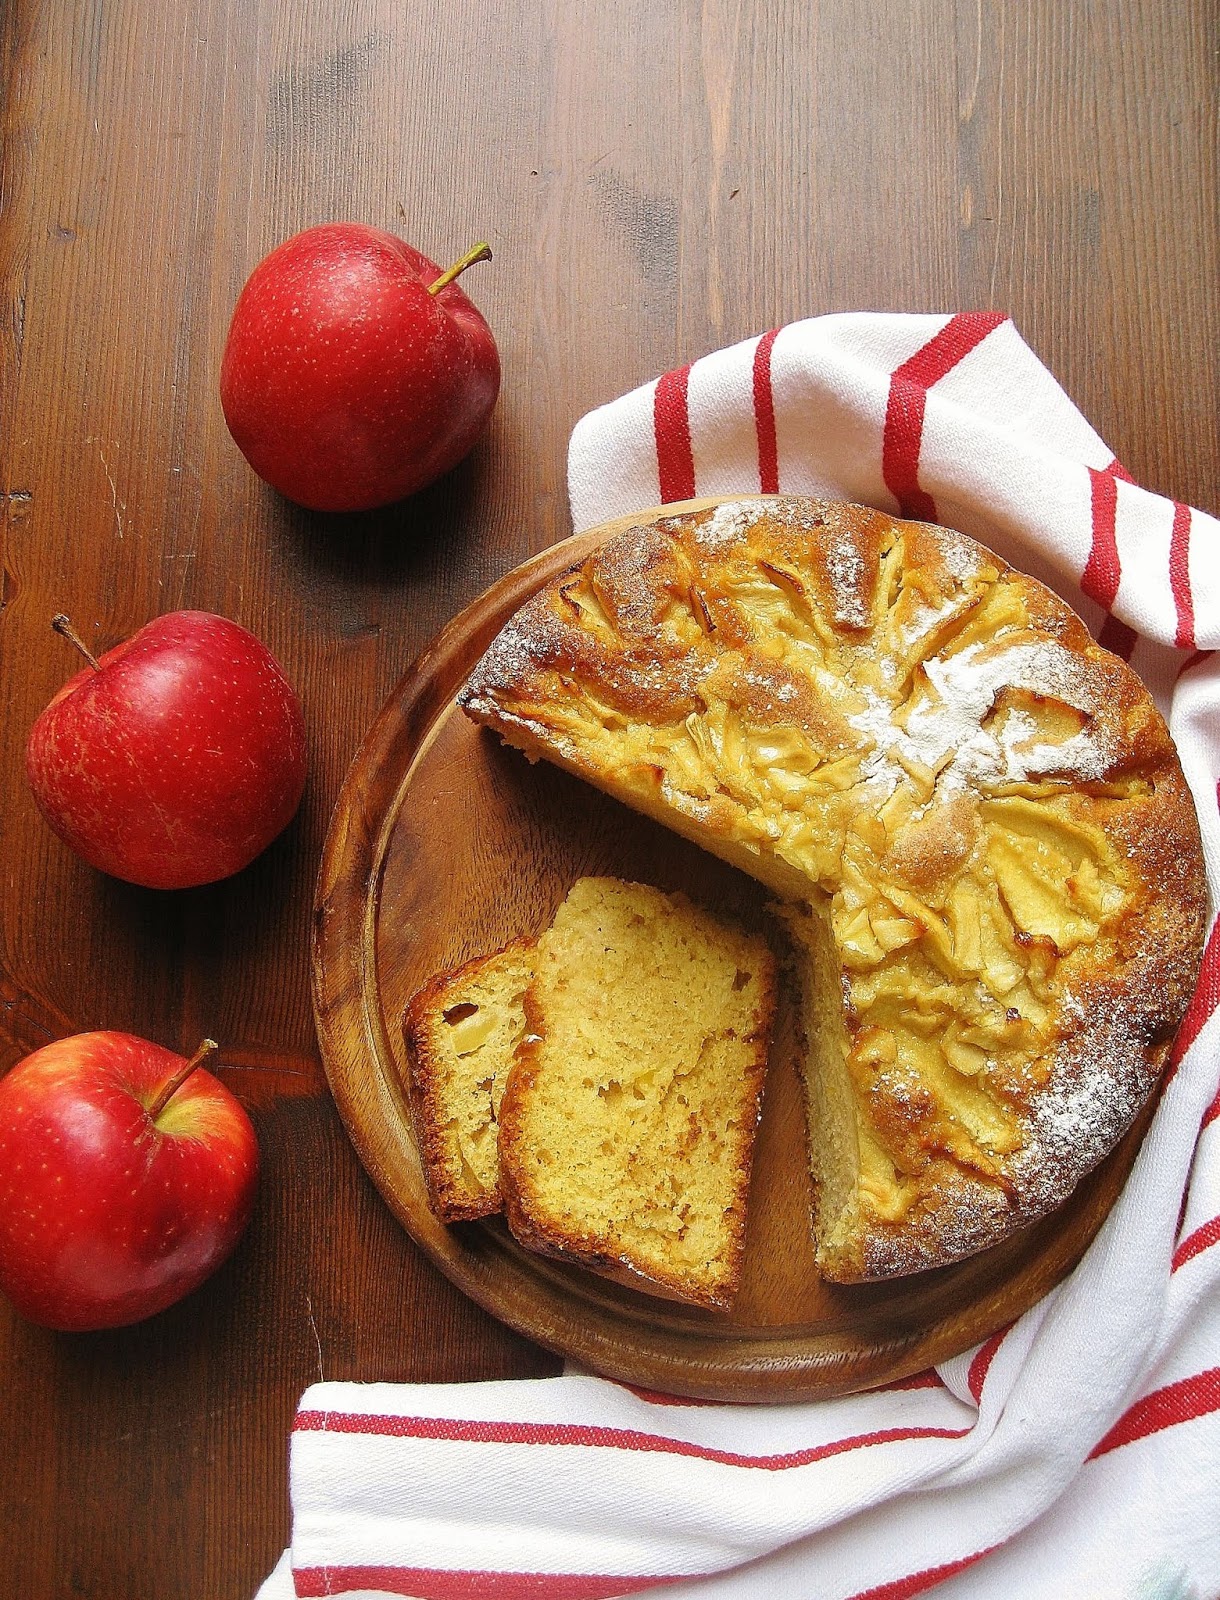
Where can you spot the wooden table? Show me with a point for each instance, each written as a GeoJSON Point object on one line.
{"type": "Point", "coordinates": [656, 179]}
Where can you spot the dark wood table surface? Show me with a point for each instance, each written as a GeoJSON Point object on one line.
{"type": "Point", "coordinates": [656, 179]}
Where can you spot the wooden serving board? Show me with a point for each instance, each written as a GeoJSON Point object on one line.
{"type": "Point", "coordinates": [444, 845]}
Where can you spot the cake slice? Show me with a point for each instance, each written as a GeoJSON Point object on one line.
{"type": "Point", "coordinates": [626, 1132]}
{"type": "Point", "coordinates": [461, 1030]}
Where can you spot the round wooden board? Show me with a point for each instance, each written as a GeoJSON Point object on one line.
{"type": "Point", "coordinates": [444, 845]}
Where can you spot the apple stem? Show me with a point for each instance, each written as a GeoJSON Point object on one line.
{"type": "Point", "coordinates": [170, 1087]}
{"type": "Point", "coordinates": [480, 252]}
{"type": "Point", "coordinates": [65, 629]}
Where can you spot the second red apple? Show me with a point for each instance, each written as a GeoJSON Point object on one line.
{"type": "Point", "coordinates": [356, 372]}
{"type": "Point", "coordinates": [176, 757]}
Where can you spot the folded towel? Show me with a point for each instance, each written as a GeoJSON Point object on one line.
{"type": "Point", "coordinates": [1076, 1452]}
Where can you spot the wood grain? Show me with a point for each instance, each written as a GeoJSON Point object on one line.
{"type": "Point", "coordinates": [655, 179]}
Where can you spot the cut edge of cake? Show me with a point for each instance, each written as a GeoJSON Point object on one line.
{"type": "Point", "coordinates": [461, 1031]}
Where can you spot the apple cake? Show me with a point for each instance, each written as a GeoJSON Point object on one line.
{"type": "Point", "coordinates": [987, 853]}
{"type": "Point", "coordinates": [626, 1131]}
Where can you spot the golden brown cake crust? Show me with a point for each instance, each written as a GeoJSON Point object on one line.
{"type": "Point", "coordinates": [430, 1105]}
{"type": "Point", "coordinates": [885, 719]}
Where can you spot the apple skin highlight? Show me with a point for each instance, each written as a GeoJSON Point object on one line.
{"type": "Point", "coordinates": [344, 382]}
{"type": "Point", "coordinates": [108, 1216]}
{"type": "Point", "coordinates": [177, 759]}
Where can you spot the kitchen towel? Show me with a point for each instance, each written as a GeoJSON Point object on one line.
{"type": "Point", "coordinates": [1075, 1452]}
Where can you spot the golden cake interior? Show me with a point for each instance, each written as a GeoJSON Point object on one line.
{"type": "Point", "coordinates": [627, 1130]}
{"type": "Point", "coordinates": [974, 815]}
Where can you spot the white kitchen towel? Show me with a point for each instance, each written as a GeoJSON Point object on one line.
{"type": "Point", "coordinates": [1076, 1452]}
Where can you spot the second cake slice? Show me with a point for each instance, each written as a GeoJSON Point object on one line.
{"type": "Point", "coordinates": [627, 1127]}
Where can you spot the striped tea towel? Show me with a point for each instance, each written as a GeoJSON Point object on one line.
{"type": "Point", "coordinates": [1075, 1453]}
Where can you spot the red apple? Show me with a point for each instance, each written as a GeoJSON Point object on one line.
{"type": "Point", "coordinates": [127, 1174]}
{"type": "Point", "coordinates": [176, 757]}
{"type": "Point", "coordinates": [356, 371]}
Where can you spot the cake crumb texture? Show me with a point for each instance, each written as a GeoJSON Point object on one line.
{"type": "Point", "coordinates": [627, 1128]}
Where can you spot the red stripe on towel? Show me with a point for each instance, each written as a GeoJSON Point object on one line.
{"type": "Point", "coordinates": [954, 342]}
{"type": "Point", "coordinates": [1195, 1243]}
{"type": "Point", "coordinates": [564, 1433]}
{"type": "Point", "coordinates": [929, 1378]}
{"type": "Point", "coordinates": [1103, 570]}
{"type": "Point", "coordinates": [764, 416]}
{"type": "Point", "coordinates": [981, 1364]}
{"type": "Point", "coordinates": [918, 1582]}
{"type": "Point", "coordinates": [908, 396]}
{"type": "Point", "coordinates": [1179, 576]}
{"type": "Point", "coordinates": [671, 428]}
{"type": "Point", "coordinates": [1203, 1002]}
{"type": "Point", "coordinates": [1197, 660]}
{"type": "Point", "coordinates": [900, 449]}
{"type": "Point", "coordinates": [1164, 1408]}
{"type": "Point", "coordinates": [428, 1583]}
{"type": "Point", "coordinates": [1102, 573]}
{"type": "Point", "coordinates": [1210, 1115]}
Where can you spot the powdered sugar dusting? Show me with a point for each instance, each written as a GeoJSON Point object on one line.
{"type": "Point", "coordinates": [1101, 1077]}
{"type": "Point", "coordinates": [727, 523]}
{"type": "Point", "coordinates": [960, 555]}
{"type": "Point", "coordinates": [961, 559]}
{"type": "Point", "coordinates": [922, 622]}
{"type": "Point", "coordinates": [845, 566]}
{"type": "Point", "coordinates": [948, 733]}
{"type": "Point", "coordinates": [514, 654]}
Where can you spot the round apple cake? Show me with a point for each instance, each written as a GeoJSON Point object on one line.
{"type": "Point", "coordinates": [986, 853]}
